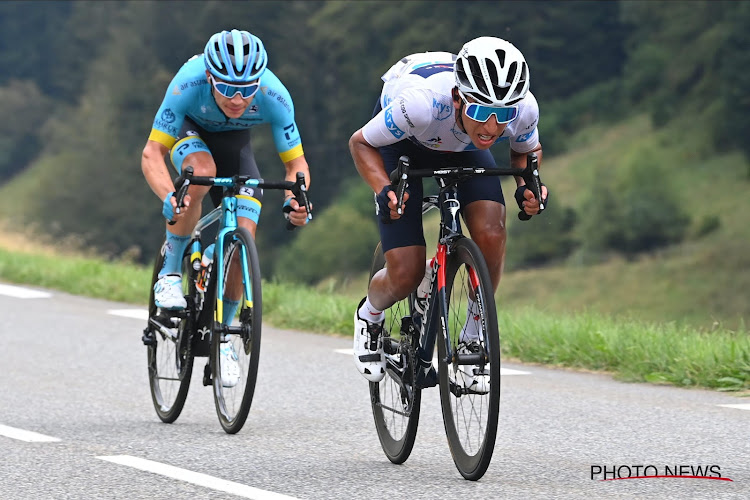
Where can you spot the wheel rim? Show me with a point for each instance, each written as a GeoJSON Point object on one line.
{"type": "Point", "coordinates": [470, 415]}
{"type": "Point", "coordinates": [233, 401]}
{"type": "Point", "coordinates": [470, 410]}
{"type": "Point", "coordinates": [169, 362]}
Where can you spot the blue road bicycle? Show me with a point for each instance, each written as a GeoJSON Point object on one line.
{"type": "Point", "coordinates": [175, 338]}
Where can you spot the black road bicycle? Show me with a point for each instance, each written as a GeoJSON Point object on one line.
{"type": "Point", "coordinates": [175, 338]}
{"type": "Point", "coordinates": [469, 380]}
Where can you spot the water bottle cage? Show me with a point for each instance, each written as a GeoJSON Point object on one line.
{"type": "Point", "coordinates": [205, 274]}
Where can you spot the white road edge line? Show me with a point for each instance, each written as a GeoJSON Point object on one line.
{"type": "Point", "coordinates": [745, 406]}
{"type": "Point", "coordinates": [195, 478]}
{"type": "Point", "coordinates": [130, 313]}
{"type": "Point", "coordinates": [28, 436]}
{"type": "Point", "coordinates": [23, 293]}
{"type": "Point", "coordinates": [503, 371]}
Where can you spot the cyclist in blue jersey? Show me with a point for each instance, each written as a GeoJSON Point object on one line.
{"type": "Point", "coordinates": [204, 121]}
{"type": "Point", "coordinates": [442, 110]}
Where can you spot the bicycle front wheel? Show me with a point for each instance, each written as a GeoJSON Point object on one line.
{"type": "Point", "coordinates": [396, 399]}
{"type": "Point", "coordinates": [170, 358]}
{"type": "Point", "coordinates": [470, 379]}
{"type": "Point", "coordinates": [235, 346]}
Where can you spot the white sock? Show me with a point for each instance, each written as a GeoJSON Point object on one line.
{"type": "Point", "coordinates": [370, 312]}
{"type": "Point", "coordinates": [473, 323]}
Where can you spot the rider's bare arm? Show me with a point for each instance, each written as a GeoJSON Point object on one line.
{"type": "Point", "coordinates": [370, 166]}
{"type": "Point", "coordinates": [155, 169]}
{"type": "Point", "coordinates": [368, 161]}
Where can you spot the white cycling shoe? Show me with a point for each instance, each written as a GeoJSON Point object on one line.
{"type": "Point", "coordinates": [168, 292]}
{"type": "Point", "coordinates": [230, 369]}
{"type": "Point", "coordinates": [368, 348]}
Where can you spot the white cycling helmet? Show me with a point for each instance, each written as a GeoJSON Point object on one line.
{"type": "Point", "coordinates": [492, 71]}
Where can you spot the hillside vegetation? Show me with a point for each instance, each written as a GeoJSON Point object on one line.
{"type": "Point", "coordinates": [644, 125]}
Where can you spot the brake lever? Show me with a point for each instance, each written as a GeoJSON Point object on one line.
{"type": "Point", "coordinates": [399, 178]}
{"type": "Point", "coordinates": [181, 184]}
{"type": "Point", "coordinates": [300, 191]}
{"type": "Point", "coordinates": [533, 182]}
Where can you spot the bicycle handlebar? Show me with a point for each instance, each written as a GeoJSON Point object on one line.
{"type": "Point", "coordinates": [298, 188]}
{"type": "Point", "coordinates": [400, 175]}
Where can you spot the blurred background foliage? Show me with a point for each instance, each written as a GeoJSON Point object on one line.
{"type": "Point", "coordinates": [80, 82]}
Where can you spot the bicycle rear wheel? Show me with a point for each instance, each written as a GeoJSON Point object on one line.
{"type": "Point", "coordinates": [470, 383]}
{"type": "Point", "coordinates": [170, 358]}
{"type": "Point", "coordinates": [396, 399]}
{"type": "Point", "coordinates": [234, 396]}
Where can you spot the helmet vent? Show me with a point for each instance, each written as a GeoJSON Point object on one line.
{"type": "Point", "coordinates": [492, 70]}
{"type": "Point", "coordinates": [476, 72]}
{"type": "Point", "coordinates": [501, 57]}
{"type": "Point", "coordinates": [511, 73]}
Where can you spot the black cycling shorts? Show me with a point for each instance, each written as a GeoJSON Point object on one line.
{"type": "Point", "coordinates": [231, 151]}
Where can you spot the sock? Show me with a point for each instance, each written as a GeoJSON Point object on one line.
{"type": "Point", "coordinates": [473, 322]}
{"type": "Point", "coordinates": [370, 312]}
{"type": "Point", "coordinates": [173, 253]}
{"type": "Point", "coordinates": [230, 309]}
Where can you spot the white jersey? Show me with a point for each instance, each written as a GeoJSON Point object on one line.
{"type": "Point", "coordinates": [418, 105]}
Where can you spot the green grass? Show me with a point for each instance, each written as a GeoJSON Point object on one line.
{"type": "Point", "coordinates": [630, 350]}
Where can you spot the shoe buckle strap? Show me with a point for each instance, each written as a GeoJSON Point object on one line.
{"type": "Point", "coordinates": [370, 358]}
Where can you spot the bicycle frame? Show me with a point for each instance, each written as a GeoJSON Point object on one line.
{"type": "Point", "coordinates": [450, 231]}
{"type": "Point", "coordinates": [226, 214]}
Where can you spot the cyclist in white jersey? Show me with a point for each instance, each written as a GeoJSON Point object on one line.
{"type": "Point", "coordinates": [442, 110]}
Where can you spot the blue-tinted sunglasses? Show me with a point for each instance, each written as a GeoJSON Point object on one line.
{"type": "Point", "coordinates": [229, 90]}
{"type": "Point", "coordinates": [482, 113]}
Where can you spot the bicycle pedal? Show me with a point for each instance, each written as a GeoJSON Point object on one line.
{"type": "Point", "coordinates": [170, 315]}
{"type": "Point", "coordinates": [148, 338]}
{"type": "Point", "coordinates": [427, 377]}
{"type": "Point", "coordinates": [207, 375]}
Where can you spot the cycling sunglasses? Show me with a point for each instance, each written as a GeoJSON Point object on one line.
{"type": "Point", "coordinates": [482, 113]}
{"type": "Point", "coordinates": [229, 90]}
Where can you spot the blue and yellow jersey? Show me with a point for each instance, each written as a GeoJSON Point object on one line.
{"type": "Point", "coordinates": [189, 94]}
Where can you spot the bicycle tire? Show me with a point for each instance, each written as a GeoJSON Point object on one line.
{"type": "Point", "coordinates": [395, 407]}
{"type": "Point", "coordinates": [246, 344]}
{"type": "Point", "coordinates": [170, 359]}
{"type": "Point", "coordinates": [470, 415]}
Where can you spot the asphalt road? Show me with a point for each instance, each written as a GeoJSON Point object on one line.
{"type": "Point", "coordinates": [76, 421]}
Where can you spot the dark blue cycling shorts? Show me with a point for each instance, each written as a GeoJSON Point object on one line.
{"type": "Point", "coordinates": [408, 230]}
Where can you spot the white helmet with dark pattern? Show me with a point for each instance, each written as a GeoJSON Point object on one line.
{"type": "Point", "coordinates": [492, 71]}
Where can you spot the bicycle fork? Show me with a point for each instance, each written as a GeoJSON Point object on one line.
{"type": "Point", "coordinates": [434, 309]}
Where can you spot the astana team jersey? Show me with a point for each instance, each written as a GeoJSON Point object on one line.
{"type": "Point", "coordinates": [189, 94]}
{"type": "Point", "coordinates": [418, 105]}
